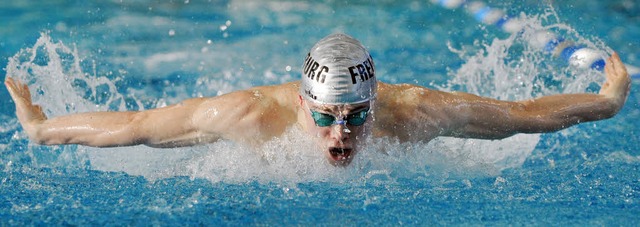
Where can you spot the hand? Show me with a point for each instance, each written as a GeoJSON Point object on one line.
{"type": "Point", "coordinates": [28, 114]}
{"type": "Point", "coordinates": [618, 82]}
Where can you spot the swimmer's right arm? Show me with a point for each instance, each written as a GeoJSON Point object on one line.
{"type": "Point", "coordinates": [172, 126]}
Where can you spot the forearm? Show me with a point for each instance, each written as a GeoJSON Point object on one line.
{"type": "Point", "coordinates": [557, 112]}
{"type": "Point", "coordinates": [493, 119]}
{"type": "Point", "coordinates": [100, 129]}
{"type": "Point", "coordinates": [163, 127]}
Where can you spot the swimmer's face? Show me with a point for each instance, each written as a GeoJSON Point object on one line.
{"type": "Point", "coordinates": [339, 140]}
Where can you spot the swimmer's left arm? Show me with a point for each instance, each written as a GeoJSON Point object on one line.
{"type": "Point", "coordinates": [240, 116]}
{"type": "Point", "coordinates": [163, 127]}
{"type": "Point", "coordinates": [493, 119]}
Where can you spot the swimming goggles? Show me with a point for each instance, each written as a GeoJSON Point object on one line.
{"type": "Point", "coordinates": [354, 119]}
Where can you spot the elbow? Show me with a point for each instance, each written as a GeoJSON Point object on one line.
{"type": "Point", "coordinates": [41, 141]}
{"type": "Point", "coordinates": [47, 141]}
{"type": "Point", "coordinates": [45, 136]}
{"type": "Point", "coordinates": [38, 136]}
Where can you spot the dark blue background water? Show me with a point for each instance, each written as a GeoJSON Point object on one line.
{"type": "Point", "coordinates": [588, 174]}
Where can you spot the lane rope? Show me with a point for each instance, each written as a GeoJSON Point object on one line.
{"type": "Point", "coordinates": [576, 55]}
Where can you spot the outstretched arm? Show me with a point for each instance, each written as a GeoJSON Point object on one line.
{"type": "Point", "coordinates": [169, 126]}
{"type": "Point", "coordinates": [492, 119]}
{"type": "Point", "coordinates": [193, 121]}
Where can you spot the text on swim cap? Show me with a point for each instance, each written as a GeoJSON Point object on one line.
{"type": "Point", "coordinates": [310, 94]}
{"type": "Point", "coordinates": [310, 67]}
{"type": "Point", "coordinates": [365, 71]}
{"type": "Point", "coordinates": [314, 71]}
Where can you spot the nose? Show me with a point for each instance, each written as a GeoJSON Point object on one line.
{"type": "Point", "coordinates": [340, 132]}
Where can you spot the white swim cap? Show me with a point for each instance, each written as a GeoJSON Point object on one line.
{"type": "Point", "coordinates": [338, 70]}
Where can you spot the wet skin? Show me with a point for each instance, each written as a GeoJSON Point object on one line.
{"type": "Point", "coordinates": [408, 113]}
{"type": "Point", "coordinates": [339, 142]}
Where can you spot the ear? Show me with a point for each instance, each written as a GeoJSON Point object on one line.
{"type": "Point", "coordinates": [300, 100]}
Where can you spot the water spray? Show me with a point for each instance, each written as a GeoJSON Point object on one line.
{"type": "Point", "coordinates": [576, 55]}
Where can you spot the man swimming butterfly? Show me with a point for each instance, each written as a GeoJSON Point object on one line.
{"type": "Point", "coordinates": [338, 101]}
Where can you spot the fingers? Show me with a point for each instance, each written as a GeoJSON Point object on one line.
{"type": "Point", "coordinates": [608, 67]}
{"type": "Point", "coordinates": [19, 92]}
{"type": "Point", "coordinates": [615, 69]}
{"type": "Point", "coordinates": [7, 79]}
{"type": "Point", "coordinates": [617, 66]}
{"type": "Point", "coordinates": [618, 82]}
{"type": "Point", "coordinates": [8, 82]}
{"type": "Point", "coordinates": [614, 61]}
{"type": "Point", "coordinates": [11, 87]}
{"type": "Point", "coordinates": [26, 94]}
{"type": "Point", "coordinates": [40, 113]}
{"type": "Point", "coordinates": [26, 112]}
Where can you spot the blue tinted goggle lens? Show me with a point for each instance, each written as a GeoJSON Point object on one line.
{"type": "Point", "coordinates": [355, 119]}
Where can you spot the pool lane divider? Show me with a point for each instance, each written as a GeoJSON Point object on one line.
{"type": "Point", "coordinates": [577, 55]}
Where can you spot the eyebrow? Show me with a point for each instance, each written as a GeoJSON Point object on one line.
{"type": "Point", "coordinates": [354, 110]}
{"type": "Point", "coordinates": [359, 109]}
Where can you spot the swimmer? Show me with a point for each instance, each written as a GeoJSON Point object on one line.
{"type": "Point", "coordinates": [338, 101]}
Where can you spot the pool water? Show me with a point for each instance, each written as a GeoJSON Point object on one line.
{"type": "Point", "coordinates": [80, 56]}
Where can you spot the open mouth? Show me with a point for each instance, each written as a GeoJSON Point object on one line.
{"type": "Point", "coordinates": [340, 154]}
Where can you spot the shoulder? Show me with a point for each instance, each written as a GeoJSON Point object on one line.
{"type": "Point", "coordinates": [414, 95]}
{"type": "Point", "coordinates": [255, 97]}
{"type": "Point", "coordinates": [265, 110]}
{"type": "Point", "coordinates": [402, 102]}
{"type": "Point", "coordinates": [404, 109]}
{"type": "Point", "coordinates": [409, 94]}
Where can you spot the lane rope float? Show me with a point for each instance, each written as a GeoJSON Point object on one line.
{"type": "Point", "coordinates": [576, 55]}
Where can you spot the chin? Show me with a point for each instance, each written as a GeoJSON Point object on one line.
{"type": "Point", "coordinates": [340, 156]}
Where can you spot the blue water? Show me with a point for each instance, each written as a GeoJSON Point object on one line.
{"type": "Point", "coordinates": [109, 55]}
